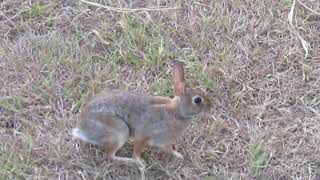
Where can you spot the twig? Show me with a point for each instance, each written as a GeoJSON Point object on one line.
{"type": "Point", "coordinates": [99, 37]}
{"type": "Point", "coordinates": [116, 9]}
{"type": "Point", "coordinates": [305, 6]}
{"type": "Point", "coordinates": [304, 43]}
{"type": "Point", "coordinates": [290, 15]}
{"type": "Point", "coordinates": [11, 22]}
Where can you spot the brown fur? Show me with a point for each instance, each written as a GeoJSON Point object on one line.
{"type": "Point", "coordinates": [178, 78]}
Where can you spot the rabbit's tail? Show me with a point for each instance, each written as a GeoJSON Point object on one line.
{"type": "Point", "coordinates": [79, 134]}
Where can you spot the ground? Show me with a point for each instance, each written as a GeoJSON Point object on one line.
{"type": "Point", "coordinates": [265, 122]}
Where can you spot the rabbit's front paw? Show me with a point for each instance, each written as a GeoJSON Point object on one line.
{"type": "Point", "coordinates": [177, 154]}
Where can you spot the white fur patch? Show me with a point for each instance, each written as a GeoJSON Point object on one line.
{"type": "Point", "coordinates": [78, 133]}
{"type": "Point", "coordinates": [177, 98]}
{"type": "Point", "coordinates": [177, 154]}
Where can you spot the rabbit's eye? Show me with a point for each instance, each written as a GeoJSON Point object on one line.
{"type": "Point", "coordinates": [197, 100]}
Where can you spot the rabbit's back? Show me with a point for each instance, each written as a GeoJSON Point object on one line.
{"type": "Point", "coordinates": [130, 107]}
{"type": "Point", "coordinates": [121, 101]}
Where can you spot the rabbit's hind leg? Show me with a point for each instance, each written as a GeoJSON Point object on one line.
{"type": "Point", "coordinates": [117, 136]}
{"type": "Point", "coordinates": [111, 152]}
{"type": "Point", "coordinates": [138, 148]}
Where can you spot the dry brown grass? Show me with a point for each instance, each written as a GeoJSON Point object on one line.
{"type": "Point", "coordinates": [266, 120]}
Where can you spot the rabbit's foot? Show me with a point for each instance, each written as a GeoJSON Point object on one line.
{"type": "Point", "coordinates": [171, 149]}
{"type": "Point", "coordinates": [128, 160]}
{"type": "Point", "coordinates": [177, 154]}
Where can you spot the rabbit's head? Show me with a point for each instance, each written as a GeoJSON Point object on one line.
{"type": "Point", "coordinates": [192, 101]}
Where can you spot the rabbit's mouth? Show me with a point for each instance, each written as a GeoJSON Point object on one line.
{"type": "Point", "coordinates": [184, 116]}
{"type": "Point", "coordinates": [206, 115]}
{"type": "Point", "coordinates": [207, 109]}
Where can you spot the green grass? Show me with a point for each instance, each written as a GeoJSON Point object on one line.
{"type": "Point", "coordinates": [260, 157]}
{"type": "Point", "coordinates": [14, 165]}
{"type": "Point", "coordinates": [242, 52]}
{"type": "Point", "coordinates": [161, 87]}
{"type": "Point", "coordinates": [286, 2]}
{"type": "Point", "coordinates": [142, 46]}
{"type": "Point", "coordinates": [38, 11]}
{"type": "Point", "coordinates": [32, 12]}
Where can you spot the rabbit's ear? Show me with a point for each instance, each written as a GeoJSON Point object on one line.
{"type": "Point", "coordinates": [178, 78]}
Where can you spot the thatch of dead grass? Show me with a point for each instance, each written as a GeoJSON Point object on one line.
{"type": "Point", "coordinates": [265, 121]}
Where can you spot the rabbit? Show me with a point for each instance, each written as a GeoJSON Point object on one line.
{"type": "Point", "coordinates": [113, 117]}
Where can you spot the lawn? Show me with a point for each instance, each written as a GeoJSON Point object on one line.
{"type": "Point", "coordinates": [258, 59]}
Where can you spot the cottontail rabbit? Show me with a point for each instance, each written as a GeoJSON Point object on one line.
{"type": "Point", "coordinates": [114, 116]}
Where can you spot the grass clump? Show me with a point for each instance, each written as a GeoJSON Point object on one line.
{"type": "Point", "coordinates": [242, 52]}
{"type": "Point", "coordinates": [38, 11]}
{"type": "Point", "coordinates": [141, 44]}
{"type": "Point", "coordinates": [260, 157]}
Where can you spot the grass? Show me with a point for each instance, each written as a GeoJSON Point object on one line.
{"type": "Point", "coordinates": [260, 157]}
{"type": "Point", "coordinates": [265, 121]}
